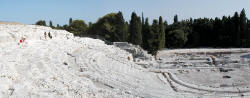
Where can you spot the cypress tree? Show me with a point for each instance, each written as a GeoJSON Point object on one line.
{"type": "Point", "coordinates": [155, 31]}
{"type": "Point", "coordinates": [142, 20]}
{"type": "Point", "coordinates": [143, 32]}
{"type": "Point", "coordinates": [90, 24]}
{"type": "Point", "coordinates": [166, 33]}
{"type": "Point", "coordinates": [44, 23]}
{"type": "Point", "coordinates": [135, 29]}
{"type": "Point", "coordinates": [165, 24]}
{"type": "Point", "coordinates": [70, 21]}
{"type": "Point", "coordinates": [248, 33]}
{"type": "Point", "coordinates": [243, 28]}
{"type": "Point", "coordinates": [41, 23]}
{"type": "Point", "coordinates": [148, 37]}
{"type": "Point", "coordinates": [236, 29]}
{"type": "Point", "coordinates": [58, 26]}
{"type": "Point", "coordinates": [175, 19]}
{"type": "Point", "coordinates": [51, 24]}
{"type": "Point", "coordinates": [161, 33]}
{"type": "Point", "coordinates": [126, 31]}
{"type": "Point", "coordinates": [120, 32]}
{"type": "Point", "coordinates": [243, 20]}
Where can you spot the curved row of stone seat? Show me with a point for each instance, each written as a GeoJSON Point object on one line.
{"type": "Point", "coordinates": [67, 66]}
{"type": "Point", "coordinates": [104, 64]}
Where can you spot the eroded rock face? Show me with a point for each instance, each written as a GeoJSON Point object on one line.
{"type": "Point", "coordinates": [140, 56]}
{"type": "Point", "coordinates": [70, 67]}
{"type": "Point", "coordinates": [136, 50]}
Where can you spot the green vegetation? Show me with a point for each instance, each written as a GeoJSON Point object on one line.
{"type": "Point", "coordinates": [135, 28]}
{"type": "Point", "coordinates": [77, 27]}
{"type": "Point", "coordinates": [228, 31]}
{"type": "Point", "coordinates": [111, 27]}
{"type": "Point", "coordinates": [41, 23]}
{"type": "Point", "coordinates": [51, 25]}
{"type": "Point", "coordinates": [161, 38]}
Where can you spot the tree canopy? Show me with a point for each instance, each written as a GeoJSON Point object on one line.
{"type": "Point", "coordinates": [135, 29]}
{"type": "Point", "coordinates": [112, 27]}
{"type": "Point", "coordinates": [41, 23]}
{"type": "Point", "coordinates": [77, 27]}
{"type": "Point", "coordinates": [227, 31]}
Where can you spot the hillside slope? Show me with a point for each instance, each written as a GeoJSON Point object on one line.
{"type": "Point", "coordinates": [67, 66]}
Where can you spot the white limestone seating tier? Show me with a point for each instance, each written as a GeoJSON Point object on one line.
{"type": "Point", "coordinates": [71, 67]}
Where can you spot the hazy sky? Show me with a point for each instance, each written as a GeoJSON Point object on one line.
{"type": "Point", "coordinates": [59, 11]}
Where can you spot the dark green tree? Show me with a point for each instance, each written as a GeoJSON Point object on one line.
{"type": "Point", "coordinates": [243, 28]}
{"type": "Point", "coordinates": [243, 20]}
{"type": "Point", "coordinates": [66, 27]}
{"type": "Point", "coordinates": [51, 24]}
{"type": "Point", "coordinates": [120, 30]}
{"type": "Point", "coordinates": [126, 31]}
{"type": "Point", "coordinates": [135, 28]}
{"type": "Point", "coordinates": [145, 34]}
{"type": "Point", "coordinates": [236, 29]}
{"type": "Point", "coordinates": [177, 38]}
{"type": "Point", "coordinates": [111, 27]}
{"type": "Point", "coordinates": [166, 33]}
{"type": "Point", "coordinates": [142, 19]}
{"type": "Point", "coordinates": [90, 24]}
{"type": "Point", "coordinates": [175, 19]}
{"type": "Point", "coordinates": [222, 32]}
{"type": "Point", "coordinates": [70, 20]}
{"type": "Point", "coordinates": [78, 27]}
{"type": "Point", "coordinates": [148, 42]}
{"type": "Point", "coordinates": [155, 31]}
{"type": "Point", "coordinates": [161, 37]}
{"type": "Point", "coordinates": [41, 23]}
{"type": "Point", "coordinates": [248, 33]}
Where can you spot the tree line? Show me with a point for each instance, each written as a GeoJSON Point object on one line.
{"type": "Point", "coordinates": [228, 31]}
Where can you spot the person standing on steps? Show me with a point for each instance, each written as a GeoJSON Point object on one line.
{"type": "Point", "coordinates": [45, 35]}
{"type": "Point", "coordinates": [49, 35]}
{"type": "Point", "coordinates": [22, 40]}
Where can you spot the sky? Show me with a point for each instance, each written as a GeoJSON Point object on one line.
{"type": "Point", "coordinates": [59, 11]}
